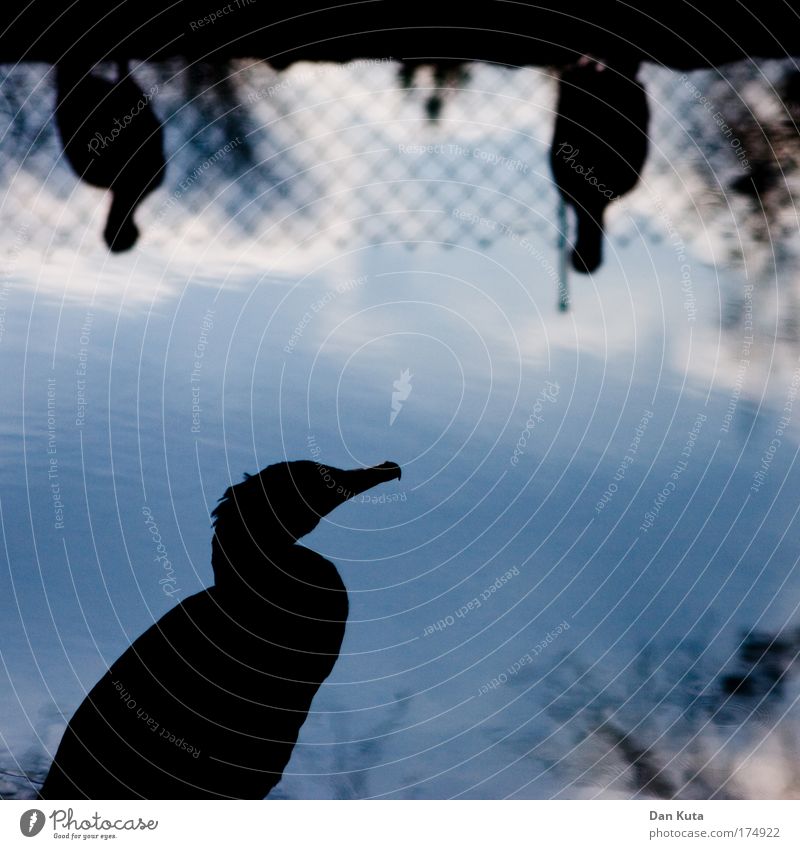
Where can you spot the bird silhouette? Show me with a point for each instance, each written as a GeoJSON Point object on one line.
{"type": "Point", "coordinates": [113, 140]}
{"type": "Point", "coordinates": [599, 146]}
{"type": "Point", "coordinates": [209, 701]}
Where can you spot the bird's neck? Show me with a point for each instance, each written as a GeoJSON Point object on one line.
{"type": "Point", "coordinates": [291, 581]}
{"type": "Point", "coordinates": [243, 564]}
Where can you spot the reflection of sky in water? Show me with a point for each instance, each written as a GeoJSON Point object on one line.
{"type": "Point", "coordinates": [657, 563]}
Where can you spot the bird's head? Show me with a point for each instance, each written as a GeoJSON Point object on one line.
{"type": "Point", "coordinates": [271, 510]}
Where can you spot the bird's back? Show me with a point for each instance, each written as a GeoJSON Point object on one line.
{"type": "Point", "coordinates": [111, 137]}
{"type": "Point", "coordinates": [209, 701]}
{"type": "Point", "coordinates": [601, 124]}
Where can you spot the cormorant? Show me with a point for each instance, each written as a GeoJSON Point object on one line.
{"type": "Point", "coordinates": [209, 701]}
{"type": "Point", "coordinates": [113, 140]}
{"type": "Point", "coordinates": [599, 146]}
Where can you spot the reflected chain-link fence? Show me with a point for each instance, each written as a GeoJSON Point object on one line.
{"type": "Point", "coordinates": [345, 155]}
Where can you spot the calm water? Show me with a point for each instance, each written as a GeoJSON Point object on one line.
{"type": "Point", "coordinates": [616, 487]}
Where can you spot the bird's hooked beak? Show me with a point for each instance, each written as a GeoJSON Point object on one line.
{"type": "Point", "coordinates": [348, 484]}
